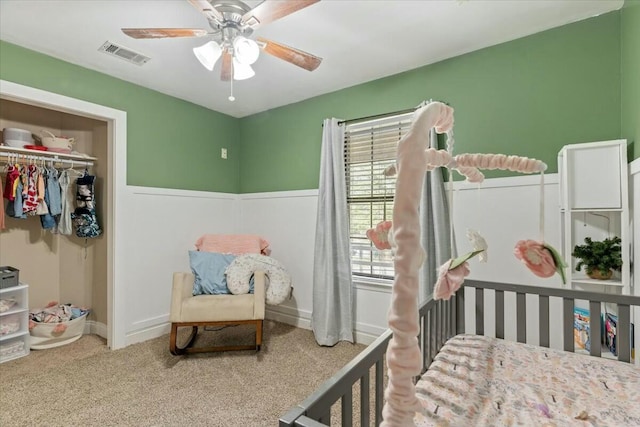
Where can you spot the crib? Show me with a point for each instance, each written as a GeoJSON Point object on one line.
{"type": "Point", "coordinates": [442, 320]}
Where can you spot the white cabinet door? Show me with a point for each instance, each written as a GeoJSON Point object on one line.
{"type": "Point", "coordinates": [594, 176]}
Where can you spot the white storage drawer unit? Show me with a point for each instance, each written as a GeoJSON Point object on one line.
{"type": "Point", "coordinates": [14, 322]}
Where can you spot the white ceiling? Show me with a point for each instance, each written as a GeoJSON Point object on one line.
{"type": "Point", "coordinates": [359, 41]}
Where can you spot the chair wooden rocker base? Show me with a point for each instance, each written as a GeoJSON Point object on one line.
{"type": "Point", "coordinates": [197, 311]}
{"type": "Point", "coordinates": [187, 348]}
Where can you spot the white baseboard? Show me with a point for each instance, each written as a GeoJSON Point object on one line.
{"type": "Point", "coordinates": [289, 316]}
{"type": "Point", "coordinates": [363, 333]}
{"type": "Point", "coordinates": [148, 334]}
{"type": "Point", "coordinates": [150, 322]}
{"type": "Point", "coordinates": [96, 328]}
{"type": "Point", "coordinates": [366, 333]}
{"type": "Point", "coordinates": [364, 338]}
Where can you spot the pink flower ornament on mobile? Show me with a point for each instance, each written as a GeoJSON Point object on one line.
{"type": "Point", "coordinates": [449, 280]}
{"type": "Point", "coordinates": [542, 259]}
{"type": "Point", "coordinates": [535, 257]}
{"type": "Point", "coordinates": [380, 235]}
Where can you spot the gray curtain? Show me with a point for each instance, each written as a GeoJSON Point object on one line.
{"type": "Point", "coordinates": [332, 316]}
{"type": "Point", "coordinates": [434, 221]}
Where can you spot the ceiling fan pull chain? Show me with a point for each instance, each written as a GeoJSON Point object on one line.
{"type": "Point", "coordinates": [231, 97]}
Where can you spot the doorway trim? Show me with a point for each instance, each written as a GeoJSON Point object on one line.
{"type": "Point", "coordinates": [117, 152]}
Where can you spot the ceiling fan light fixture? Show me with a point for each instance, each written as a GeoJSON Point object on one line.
{"type": "Point", "coordinates": [242, 71]}
{"type": "Point", "coordinates": [245, 50]}
{"type": "Point", "coordinates": [232, 22]}
{"type": "Point", "coordinates": [208, 54]}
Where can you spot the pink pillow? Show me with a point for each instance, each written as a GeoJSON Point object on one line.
{"type": "Point", "coordinates": [236, 244]}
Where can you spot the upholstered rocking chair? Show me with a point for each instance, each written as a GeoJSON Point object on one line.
{"type": "Point", "coordinates": [197, 311]}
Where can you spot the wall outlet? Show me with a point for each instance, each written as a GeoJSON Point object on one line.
{"type": "Point", "coordinates": [223, 153]}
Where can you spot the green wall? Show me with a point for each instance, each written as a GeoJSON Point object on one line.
{"type": "Point", "coordinates": [529, 97]}
{"type": "Point", "coordinates": [630, 72]}
{"type": "Point", "coordinates": [170, 143]}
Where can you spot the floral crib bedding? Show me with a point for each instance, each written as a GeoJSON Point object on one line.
{"type": "Point", "coordinates": [483, 381]}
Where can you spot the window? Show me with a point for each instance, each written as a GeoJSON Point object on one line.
{"type": "Point", "coordinates": [370, 147]}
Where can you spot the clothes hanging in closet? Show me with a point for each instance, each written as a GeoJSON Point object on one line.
{"type": "Point", "coordinates": [47, 220]}
{"type": "Point", "coordinates": [53, 191]}
{"type": "Point", "coordinates": [1, 205]}
{"type": "Point", "coordinates": [14, 207]}
{"type": "Point", "coordinates": [30, 202]}
{"type": "Point", "coordinates": [64, 225]}
{"type": "Point", "coordinates": [33, 190]}
{"type": "Point", "coordinates": [13, 175]}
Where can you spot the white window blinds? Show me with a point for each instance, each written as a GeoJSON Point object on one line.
{"type": "Point", "coordinates": [369, 148]}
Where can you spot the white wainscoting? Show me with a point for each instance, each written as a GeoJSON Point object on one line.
{"type": "Point", "coordinates": [503, 211]}
{"type": "Point", "coordinates": [506, 210]}
{"type": "Point", "coordinates": [634, 191]}
{"type": "Point", "coordinates": [162, 226]}
{"type": "Point", "coordinates": [371, 309]}
{"type": "Point", "coordinates": [287, 219]}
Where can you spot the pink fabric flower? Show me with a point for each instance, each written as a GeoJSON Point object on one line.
{"type": "Point", "coordinates": [449, 281]}
{"type": "Point", "coordinates": [380, 235]}
{"type": "Point", "coordinates": [536, 257]}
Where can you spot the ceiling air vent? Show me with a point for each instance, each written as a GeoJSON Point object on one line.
{"type": "Point", "coordinates": [124, 53]}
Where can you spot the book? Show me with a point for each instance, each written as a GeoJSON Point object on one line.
{"type": "Point", "coordinates": [611, 334]}
{"type": "Point", "coordinates": [581, 332]}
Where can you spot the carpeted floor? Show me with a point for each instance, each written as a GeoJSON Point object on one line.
{"type": "Point", "coordinates": [85, 384]}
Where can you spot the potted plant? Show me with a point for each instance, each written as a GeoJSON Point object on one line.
{"type": "Point", "coordinates": [600, 258]}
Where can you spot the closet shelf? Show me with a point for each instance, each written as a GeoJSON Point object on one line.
{"type": "Point", "coordinates": [4, 151]}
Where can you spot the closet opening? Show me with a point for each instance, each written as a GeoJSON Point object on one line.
{"type": "Point", "coordinates": [59, 267]}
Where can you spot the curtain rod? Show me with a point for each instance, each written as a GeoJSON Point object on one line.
{"type": "Point", "coordinates": [379, 116]}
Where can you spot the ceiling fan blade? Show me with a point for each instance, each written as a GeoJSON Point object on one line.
{"type": "Point", "coordinates": [225, 72]}
{"type": "Point", "coordinates": [159, 33]}
{"type": "Point", "coordinates": [270, 10]}
{"type": "Point", "coordinates": [207, 10]}
{"type": "Point", "coordinates": [296, 57]}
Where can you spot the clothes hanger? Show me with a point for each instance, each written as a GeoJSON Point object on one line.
{"type": "Point", "coordinates": [70, 168]}
{"type": "Point", "coordinates": [9, 162]}
{"type": "Point", "coordinates": [73, 171]}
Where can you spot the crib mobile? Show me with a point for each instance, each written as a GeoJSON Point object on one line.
{"type": "Point", "coordinates": [541, 258]}
{"type": "Point", "coordinates": [401, 235]}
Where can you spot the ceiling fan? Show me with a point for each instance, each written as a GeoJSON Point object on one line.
{"type": "Point", "coordinates": [232, 22]}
